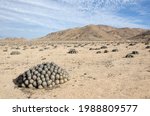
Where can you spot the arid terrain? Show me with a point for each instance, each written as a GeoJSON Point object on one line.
{"type": "Point", "coordinates": [98, 69]}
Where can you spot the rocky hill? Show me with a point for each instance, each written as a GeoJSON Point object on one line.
{"type": "Point", "coordinates": [145, 36]}
{"type": "Point", "coordinates": [94, 33]}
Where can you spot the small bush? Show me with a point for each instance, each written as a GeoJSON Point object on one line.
{"type": "Point", "coordinates": [135, 52]}
{"type": "Point", "coordinates": [5, 50]}
{"type": "Point", "coordinates": [115, 50]}
{"type": "Point", "coordinates": [15, 53]}
{"type": "Point", "coordinates": [103, 47]}
{"type": "Point", "coordinates": [73, 51]}
{"type": "Point", "coordinates": [147, 47]}
{"type": "Point", "coordinates": [98, 52]}
{"type": "Point", "coordinates": [129, 55]}
{"type": "Point", "coordinates": [105, 51]}
{"type": "Point", "coordinates": [41, 50]}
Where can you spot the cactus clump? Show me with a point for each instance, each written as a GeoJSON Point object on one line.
{"type": "Point", "coordinates": [45, 75]}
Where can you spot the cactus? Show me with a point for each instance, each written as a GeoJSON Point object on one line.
{"type": "Point", "coordinates": [41, 76]}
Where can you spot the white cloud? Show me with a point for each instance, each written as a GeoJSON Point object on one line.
{"type": "Point", "coordinates": [62, 14]}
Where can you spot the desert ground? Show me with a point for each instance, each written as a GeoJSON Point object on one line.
{"type": "Point", "coordinates": [93, 74]}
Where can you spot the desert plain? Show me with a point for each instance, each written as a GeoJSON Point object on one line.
{"type": "Point", "coordinates": [96, 72]}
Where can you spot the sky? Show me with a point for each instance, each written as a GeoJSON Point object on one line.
{"type": "Point", "coordinates": [36, 18]}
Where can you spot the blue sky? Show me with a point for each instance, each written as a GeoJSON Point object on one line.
{"type": "Point", "coordinates": [36, 18]}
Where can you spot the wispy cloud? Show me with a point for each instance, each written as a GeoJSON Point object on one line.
{"type": "Point", "coordinates": [44, 16]}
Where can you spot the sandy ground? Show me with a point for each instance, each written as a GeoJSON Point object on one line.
{"type": "Point", "coordinates": [104, 75]}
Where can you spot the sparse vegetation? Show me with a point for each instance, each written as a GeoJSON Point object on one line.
{"type": "Point", "coordinates": [15, 53]}
{"type": "Point", "coordinates": [98, 52]}
{"type": "Point", "coordinates": [5, 50]}
{"type": "Point", "coordinates": [106, 51]}
{"type": "Point", "coordinates": [46, 48]}
{"type": "Point", "coordinates": [43, 59]}
{"type": "Point", "coordinates": [132, 44]}
{"type": "Point", "coordinates": [17, 48]}
{"type": "Point", "coordinates": [32, 47]}
{"type": "Point", "coordinates": [115, 50]}
{"type": "Point", "coordinates": [94, 48]}
{"type": "Point", "coordinates": [93, 65]}
{"type": "Point", "coordinates": [103, 47]}
{"type": "Point", "coordinates": [135, 52]}
{"type": "Point", "coordinates": [72, 51]}
{"type": "Point", "coordinates": [147, 47]}
{"type": "Point", "coordinates": [146, 43]}
{"type": "Point", "coordinates": [129, 55]}
{"type": "Point", "coordinates": [41, 50]}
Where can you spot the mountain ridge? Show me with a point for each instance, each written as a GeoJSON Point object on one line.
{"type": "Point", "coordinates": [94, 33]}
{"type": "Point", "coordinates": [91, 33]}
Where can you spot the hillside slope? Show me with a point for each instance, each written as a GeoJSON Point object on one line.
{"type": "Point", "coordinates": [93, 33]}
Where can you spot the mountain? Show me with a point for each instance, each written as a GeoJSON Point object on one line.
{"type": "Point", "coordinates": [126, 33]}
{"type": "Point", "coordinates": [13, 40]}
{"type": "Point", "coordinates": [145, 36]}
{"type": "Point", "coordinates": [93, 33]}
